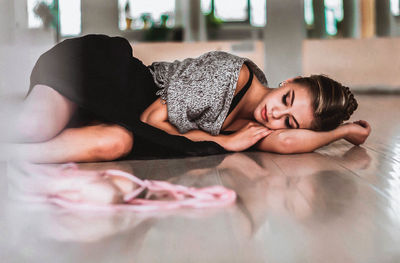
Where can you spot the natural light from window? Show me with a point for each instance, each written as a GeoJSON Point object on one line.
{"type": "Point", "coordinates": [395, 7]}
{"type": "Point", "coordinates": [333, 14]}
{"type": "Point", "coordinates": [258, 13]}
{"type": "Point", "coordinates": [206, 6]}
{"type": "Point", "coordinates": [70, 16]}
{"type": "Point", "coordinates": [33, 20]}
{"type": "Point", "coordinates": [135, 10]}
{"type": "Point", "coordinates": [228, 11]}
{"type": "Point", "coordinates": [308, 12]}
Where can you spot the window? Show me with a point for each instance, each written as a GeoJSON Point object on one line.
{"type": "Point", "coordinates": [206, 6]}
{"type": "Point", "coordinates": [258, 12]}
{"type": "Point", "coordinates": [251, 11]}
{"type": "Point", "coordinates": [138, 14]}
{"type": "Point", "coordinates": [227, 11]}
{"type": "Point", "coordinates": [308, 13]}
{"type": "Point", "coordinates": [35, 21]}
{"type": "Point", "coordinates": [395, 7]}
{"type": "Point", "coordinates": [333, 14]}
{"type": "Point", "coordinates": [69, 15]}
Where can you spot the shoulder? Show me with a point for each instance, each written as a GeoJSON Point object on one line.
{"type": "Point", "coordinates": [220, 55]}
{"type": "Point", "coordinates": [244, 75]}
{"type": "Point", "coordinates": [258, 73]}
{"type": "Point", "coordinates": [224, 64]}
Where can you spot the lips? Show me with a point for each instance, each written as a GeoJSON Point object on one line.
{"type": "Point", "coordinates": [264, 113]}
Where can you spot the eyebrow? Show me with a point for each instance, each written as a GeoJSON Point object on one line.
{"type": "Point", "coordinates": [291, 104]}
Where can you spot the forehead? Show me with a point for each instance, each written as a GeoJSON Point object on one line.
{"type": "Point", "coordinates": [302, 108]}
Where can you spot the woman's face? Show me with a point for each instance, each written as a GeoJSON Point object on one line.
{"type": "Point", "coordinates": [286, 107]}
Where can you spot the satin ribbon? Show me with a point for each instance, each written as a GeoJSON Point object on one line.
{"type": "Point", "coordinates": [148, 195]}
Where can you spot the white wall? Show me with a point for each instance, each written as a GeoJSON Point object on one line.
{"type": "Point", "coordinates": [362, 64]}
{"type": "Point", "coordinates": [283, 37]}
{"type": "Point", "coordinates": [19, 47]}
{"type": "Point", "coordinates": [100, 16]}
{"type": "Point", "coordinates": [170, 51]}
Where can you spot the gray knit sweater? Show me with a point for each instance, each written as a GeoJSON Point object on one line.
{"type": "Point", "coordinates": [199, 91]}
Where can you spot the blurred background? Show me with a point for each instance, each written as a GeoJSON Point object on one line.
{"type": "Point", "coordinates": [354, 41]}
{"type": "Point", "coordinates": [338, 204]}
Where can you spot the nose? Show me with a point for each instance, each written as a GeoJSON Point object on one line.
{"type": "Point", "coordinates": [277, 113]}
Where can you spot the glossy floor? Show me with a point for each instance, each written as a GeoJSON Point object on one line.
{"type": "Point", "coordinates": [338, 204]}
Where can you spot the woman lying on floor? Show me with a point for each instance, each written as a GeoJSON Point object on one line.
{"type": "Point", "coordinates": [90, 100]}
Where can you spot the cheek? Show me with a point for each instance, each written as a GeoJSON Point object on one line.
{"type": "Point", "coordinates": [308, 120]}
{"type": "Point", "coordinates": [269, 103]}
{"type": "Point", "coordinates": [263, 102]}
{"type": "Point", "coordinates": [277, 124]}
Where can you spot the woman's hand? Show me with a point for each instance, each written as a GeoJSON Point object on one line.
{"type": "Point", "coordinates": [357, 132]}
{"type": "Point", "coordinates": [246, 137]}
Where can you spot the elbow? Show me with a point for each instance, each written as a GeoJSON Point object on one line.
{"type": "Point", "coordinates": [144, 119]}
{"type": "Point", "coordinates": [287, 144]}
{"type": "Point", "coordinates": [291, 144]}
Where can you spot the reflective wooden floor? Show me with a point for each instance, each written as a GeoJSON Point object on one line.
{"type": "Point", "coordinates": [338, 204]}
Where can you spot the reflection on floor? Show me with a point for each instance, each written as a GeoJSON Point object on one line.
{"type": "Point", "coordinates": [338, 204]}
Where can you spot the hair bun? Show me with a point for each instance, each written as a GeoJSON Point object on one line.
{"type": "Point", "coordinates": [350, 103]}
{"type": "Point", "coordinates": [332, 102]}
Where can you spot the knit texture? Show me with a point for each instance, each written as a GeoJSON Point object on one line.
{"type": "Point", "coordinates": [199, 91]}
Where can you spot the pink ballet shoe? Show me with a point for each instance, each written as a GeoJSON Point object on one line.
{"type": "Point", "coordinates": [76, 189]}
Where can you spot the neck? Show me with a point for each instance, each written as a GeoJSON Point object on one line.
{"type": "Point", "coordinates": [255, 94]}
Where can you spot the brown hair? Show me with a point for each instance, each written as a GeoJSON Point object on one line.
{"type": "Point", "coordinates": [332, 102]}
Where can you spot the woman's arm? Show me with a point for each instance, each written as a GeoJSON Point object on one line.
{"type": "Point", "coordinates": [298, 140]}
{"type": "Point", "coordinates": [239, 141]}
{"type": "Point", "coordinates": [279, 141]}
{"type": "Point", "coordinates": [156, 115]}
{"type": "Point", "coordinates": [301, 140]}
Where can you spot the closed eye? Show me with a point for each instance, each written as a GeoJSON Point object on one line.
{"type": "Point", "coordinates": [284, 99]}
{"type": "Point", "coordinates": [287, 123]}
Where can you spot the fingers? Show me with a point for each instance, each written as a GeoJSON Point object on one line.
{"type": "Point", "coordinates": [362, 123]}
{"type": "Point", "coordinates": [257, 137]}
{"type": "Point", "coordinates": [365, 125]}
{"type": "Point", "coordinates": [253, 125]}
{"type": "Point", "coordinates": [261, 134]}
{"type": "Point", "coordinates": [364, 133]}
{"type": "Point", "coordinates": [247, 136]}
{"type": "Point", "coordinates": [259, 130]}
{"type": "Point", "coordinates": [256, 132]}
{"type": "Point", "coordinates": [265, 133]}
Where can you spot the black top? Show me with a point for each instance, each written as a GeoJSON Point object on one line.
{"type": "Point", "coordinates": [99, 74]}
{"type": "Point", "coordinates": [241, 93]}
